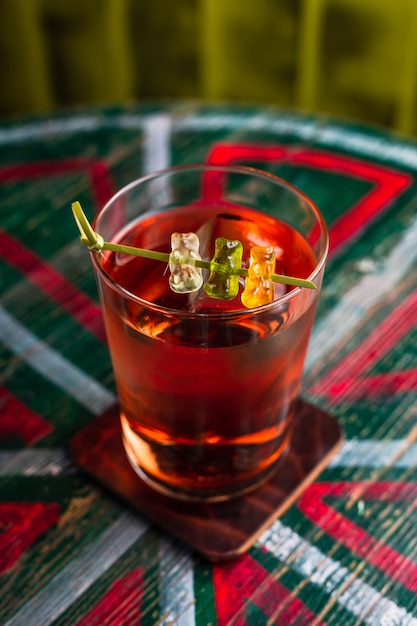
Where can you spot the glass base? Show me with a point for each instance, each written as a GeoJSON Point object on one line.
{"type": "Point", "coordinates": [205, 495]}
{"type": "Point", "coordinates": [171, 469]}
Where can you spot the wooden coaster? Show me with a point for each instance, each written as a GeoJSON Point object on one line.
{"type": "Point", "coordinates": [219, 530]}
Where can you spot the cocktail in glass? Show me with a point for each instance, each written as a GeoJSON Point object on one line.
{"type": "Point", "coordinates": [207, 387]}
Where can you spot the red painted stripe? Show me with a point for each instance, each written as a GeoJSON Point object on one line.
{"type": "Point", "coordinates": [22, 524]}
{"type": "Point", "coordinates": [357, 168]}
{"type": "Point", "coordinates": [225, 154]}
{"type": "Point", "coordinates": [385, 490]}
{"type": "Point", "coordinates": [53, 284]}
{"type": "Point", "coordinates": [384, 337]}
{"type": "Point", "coordinates": [36, 169]}
{"type": "Point", "coordinates": [243, 581]}
{"type": "Point", "coordinates": [17, 420]}
{"type": "Point", "coordinates": [388, 183]}
{"type": "Point", "coordinates": [102, 183]}
{"type": "Point", "coordinates": [121, 605]}
{"type": "Point", "coordinates": [356, 539]}
{"type": "Point", "coordinates": [376, 385]}
{"type": "Point", "coordinates": [97, 171]}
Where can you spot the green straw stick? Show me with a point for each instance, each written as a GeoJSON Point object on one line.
{"type": "Point", "coordinates": [96, 243]}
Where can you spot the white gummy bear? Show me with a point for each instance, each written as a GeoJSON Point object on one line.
{"type": "Point", "coordinates": [185, 277]}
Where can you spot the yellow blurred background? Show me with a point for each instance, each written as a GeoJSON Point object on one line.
{"type": "Point", "coordinates": [351, 58]}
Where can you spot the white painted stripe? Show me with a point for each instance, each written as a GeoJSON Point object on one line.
{"type": "Point", "coordinates": [310, 129]}
{"type": "Point", "coordinates": [52, 366]}
{"type": "Point", "coordinates": [74, 579]}
{"type": "Point", "coordinates": [176, 582]}
{"type": "Point", "coordinates": [356, 302]}
{"type": "Point", "coordinates": [362, 600]}
{"type": "Point", "coordinates": [157, 143]}
{"type": "Point", "coordinates": [157, 156]}
{"type": "Point", "coordinates": [34, 131]}
{"type": "Point", "coordinates": [36, 462]}
{"type": "Point", "coordinates": [370, 453]}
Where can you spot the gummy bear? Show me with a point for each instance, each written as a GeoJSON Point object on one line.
{"type": "Point", "coordinates": [259, 288]}
{"type": "Point", "coordinates": [185, 276]}
{"type": "Point", "coordinates": [223, 283]}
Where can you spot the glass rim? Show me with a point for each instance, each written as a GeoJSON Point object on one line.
{"type": "Point", "coordinates": [237, 169]}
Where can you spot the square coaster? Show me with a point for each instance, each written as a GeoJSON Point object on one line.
{"type": "Point", "coordinates": [218, 530]}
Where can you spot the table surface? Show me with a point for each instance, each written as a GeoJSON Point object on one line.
{"type": "Point", "coordinates": [70, 551]}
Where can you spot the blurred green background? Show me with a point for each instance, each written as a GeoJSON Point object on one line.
{"type": "Point", "coordinates": [351, 58]}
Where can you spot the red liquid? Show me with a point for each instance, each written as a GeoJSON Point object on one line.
{"type": "Point", "coordinates": [206, 396]}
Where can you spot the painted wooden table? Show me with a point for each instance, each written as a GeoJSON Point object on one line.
{"type": "Point", "coordinates": [71, 552]}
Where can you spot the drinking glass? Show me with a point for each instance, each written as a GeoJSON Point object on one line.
{"type": "Point", "coordinates": [207, 388]}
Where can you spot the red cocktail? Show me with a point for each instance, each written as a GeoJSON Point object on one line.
{"type": "Point", "coordinates": [206, 386]}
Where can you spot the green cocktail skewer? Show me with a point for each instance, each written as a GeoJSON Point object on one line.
{"type": "Point", "coordinates": [96, 243]}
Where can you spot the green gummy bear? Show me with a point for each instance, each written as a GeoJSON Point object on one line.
{"type": "Point", "coordinates": [223, 283]}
